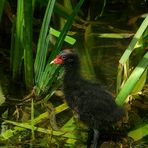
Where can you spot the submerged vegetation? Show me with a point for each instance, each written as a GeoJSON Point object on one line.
{"type": "Point", "coordinates": [111, 38]}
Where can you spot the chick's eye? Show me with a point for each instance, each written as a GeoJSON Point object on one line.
{"type": "Point", "coordinates": [63, 57]}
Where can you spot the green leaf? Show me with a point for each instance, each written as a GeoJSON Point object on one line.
{"type": "Point", "coordinates": [50, 72]}
{"type": "Point", "coordinates": [18, 47]}
{"type": "Point", "coordinates": [23, 126]}
{"type": "Point", "coordinates": [132, 80]}
{"type": "Point", "coordinates": [48, 76]}
{"type": "Point", "coordinates": [42, 46]}
{"type": "Point", "coordinates": [124, 65]}
{"type": "Point", "coordinates": [134, 41]}
{"type": "Point", "coordinates": [87, 68]}
{"type": "Point", "coordinates": [70, 125]}
{"type": "Point", "coordinates": [67, 39]}
{"type": "Point", "coordinates": [140, 84]}
{"type": "Point", "coordinates": [64, 31]}
{"type": "Point", "coordinates": [62, 11]}
{"type": "Point", "coordinates": [2, 97]}
{"type": "Point", "coordinates": [32, 119]}
{"type": "Point", "coordinates": [13, 34]}
{"type": "Point", "coordinates": [27, 38]}
{"type": "Point", "coordinates": [114, 35]}
{"type": "Point", "coordinates": [139, 133]}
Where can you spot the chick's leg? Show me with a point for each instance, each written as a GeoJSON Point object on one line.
{"type": "Point", "coordinates": [96, 138]}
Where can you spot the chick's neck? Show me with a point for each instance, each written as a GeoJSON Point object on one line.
{"type": "Point", "coordinates": [72, 72]}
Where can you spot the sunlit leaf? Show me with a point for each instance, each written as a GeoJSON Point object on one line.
{"type": "Point", "coordinates": [132, 80]}
{"type": "Point", "coordinates": [140, 84]}
{"type": "Point", "coordinates": [64, 31]}
{"type": "Point", "coordinates": [2, 97]}
{"type": "Point", "coordinates": [27, 43]}
{"type": "Point", "coordinates": [18, 44]}
{"type": "Point", "coordinates": [135, 39]}
{"type": "Point", "coordinates": [139, 133]}
{"type": "Point", "coordinates": [42, 47]}
{"type": "Point", "coordinates": [68, 39]}
{"type": "Point", "coordinates": [23, 126]}
{"type": "Point", "coordinates": [115, 35]}
{"type": "Point", "coordinates": [32, 119]}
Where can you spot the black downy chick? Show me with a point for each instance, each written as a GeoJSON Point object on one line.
{"type": "Point", "coordinates": [94, 105]}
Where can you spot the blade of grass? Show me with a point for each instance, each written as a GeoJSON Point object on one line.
{"type": "Point", "coordinates": [70, 125]}
{"type": "Point", "coordinates": [64, 31]}
{"type": "Point", "coordinates": [47, 75]}
{"type": "Point", "coordinates": [28, 55]}
{"type": "Point", "coordinates": [125, 57]}
{"type": "Point", "coordinates": [42, 46]}
{"type": "Point", "coordinates": [113, 35]}
{"type": "Point", "coordinates": [33, 5]}
{"type": "Point", "coordinates": [2, 4]}
{"type": "Point", "coordinates": [68, 5]}
{"type": "Point", "coordinates": [60, 10]}
{"type": "Point", "coordinates": [86, 58]}
{"type": "Point", "coordinates": [45, 115]}
{"type": "Point", "coordinates": [132, 80]}
{"type": "Point", "coordinates": [135, 39]}
{"type": "Point", "coordinates": [119, 78]}
{"type": "Point", "coordinates": [22, 126]}
{"type": "Point", "coordinates": [13, 35]}
{"type": "Point", "coordinates": [32, 119]}
{"type": "Point", "coordinates": [139, 133]}
{"type": "Point", "coordinates": [67, 39]}
{"type": "Point", "coordinates": [140, 84]}
{"type": "Point", "coordinates": [9, 133]}
{"type": "Point", "coordinates": [18, 50]}
{"type": "Point", "coordinates": [103, 7]}
{"type": "Point", "coordinates": [63, 11]}
{"type": "Point", "coordinates": [2, 96]}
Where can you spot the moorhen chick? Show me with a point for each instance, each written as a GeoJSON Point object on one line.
{"type": "Point", "coordinates": [95, 106]}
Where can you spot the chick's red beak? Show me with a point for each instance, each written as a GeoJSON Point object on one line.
{"type": "Point", "coordinates": [57, 60]}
